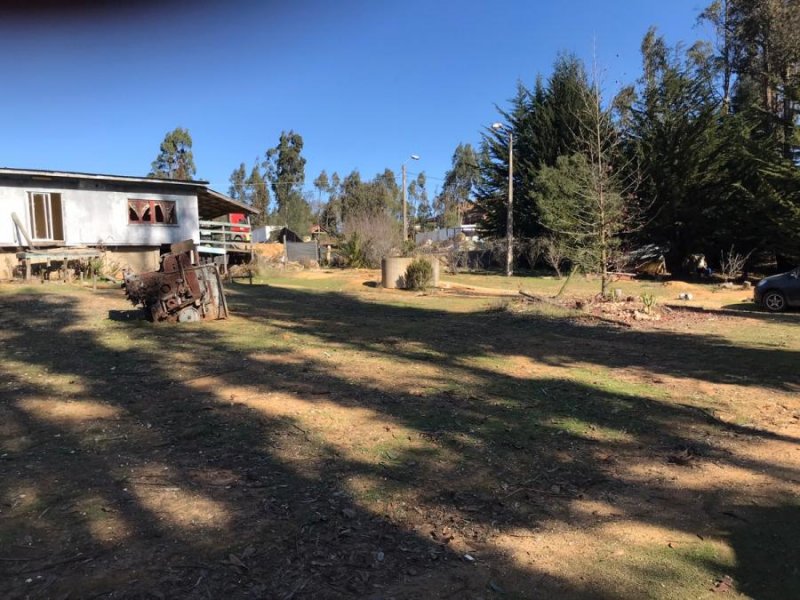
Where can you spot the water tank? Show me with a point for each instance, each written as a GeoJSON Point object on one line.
{"type": "Point", "coordinates": [393, 271]}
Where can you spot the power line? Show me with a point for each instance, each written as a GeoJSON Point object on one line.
{"type": "Point", "coordinates": [427, 176]}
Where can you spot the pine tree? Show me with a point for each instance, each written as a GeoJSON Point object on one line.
{"type": "Point", "coordinates": [544, 123]}
{"type": "Point", "coordinates": [671, 136]}
{"type": "Point", "coordinates": [583, 199]}
{"type": "Point", "coordinates": [492, 191]}
{"type": "Point", "coordinates": [714, 173]}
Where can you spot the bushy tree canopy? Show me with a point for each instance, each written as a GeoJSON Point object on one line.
{"type": "Point", "coordinates": [544, 122]}
{"type": "Point", "coordinates": [460, 183]}
{"type": "Point", "coordinates": [285, 170]}
{"type": "Point", "coordinates": [175, 159]}
{"type": "Point", "coordinates": [709, 135]}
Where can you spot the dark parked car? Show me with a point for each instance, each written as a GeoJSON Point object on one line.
{"type": "Point", "coordinates": [778, 292]}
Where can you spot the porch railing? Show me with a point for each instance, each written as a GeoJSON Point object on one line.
{"type": "Point", "coordinates": [217, 237]}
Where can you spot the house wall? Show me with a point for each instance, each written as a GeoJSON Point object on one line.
{"type": "Point", "coordinates": [96, 213]}
{"type": "Point", "coordinates": [262, 234]}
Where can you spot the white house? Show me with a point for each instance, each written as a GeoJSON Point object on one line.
{"type": "Point", "coordinates": [131, 219]}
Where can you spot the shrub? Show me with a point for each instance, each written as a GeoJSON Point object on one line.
{"type": "Point", "coordinates": [649, 302]}
{"type": "Point", "coordinates": [554, 251]}
{"type": "Point", "coordinates": [419, 274]}
{"type": "Point", "coordinates": [378, 236]}
{"type": "Point", "coordinates": [732, 263]}
{"type": "Point", "coordinates": [354, 252]}
{"type": "Point", "coordinates": [503, 305]}
{"type": "Point", "coordinates": [309, 263]}
{"type": "Point", "coordinates": [103, 267]}
{"type": "Point", "coordinates": [456, 256]}
{"type": "Point", "coordinates": [408, 248]}
{"type": "Point", "coordinates": [95, 266]}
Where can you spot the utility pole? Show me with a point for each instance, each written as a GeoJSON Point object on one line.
{"type": "Point", "coordinates": [405, 198]}
{"type": "Point", "coordinates": [405, 204]}
{"type": "Point", "coordinates": [510, 219]}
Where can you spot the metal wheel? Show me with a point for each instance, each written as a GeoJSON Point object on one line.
{"type": "Point", "coordinates": [774, 301]}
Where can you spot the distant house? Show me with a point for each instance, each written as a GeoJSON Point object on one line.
{"type": "Point", "coordinates": [131, 219]}
{"type": "Point", "coordinates": [264, 233]}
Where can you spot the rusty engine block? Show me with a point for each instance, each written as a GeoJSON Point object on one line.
{"type": "Point", "coordinates": [181, 290]}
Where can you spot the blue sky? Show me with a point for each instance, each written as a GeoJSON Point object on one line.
{"type": "Point", "coordinates": [365, 83]}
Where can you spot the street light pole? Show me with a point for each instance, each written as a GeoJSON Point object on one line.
{"type": "Point", "coordinates": [510, 220]}
{"type": "Point", "coordinates": [405, 205]}
{"type": "Point", "coordinates": [510, 216]}
{"type": "Point", "coordinates": [405, 199]}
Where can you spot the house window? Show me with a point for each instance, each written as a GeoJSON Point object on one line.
{"type": "Point", "coordinates": [45, 216]}
{"type": "Point", "coordinates": [150, 212]}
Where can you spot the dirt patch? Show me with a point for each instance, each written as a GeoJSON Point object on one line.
{"type": "Point", "coordinates": [269, 252]}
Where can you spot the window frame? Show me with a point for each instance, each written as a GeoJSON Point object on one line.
{"type": "Point", "coordinates": [50, 223]}
{"type": "Point", "coordinates": [152, 204]}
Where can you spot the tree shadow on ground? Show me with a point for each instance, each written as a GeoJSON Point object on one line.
{"type": "Point", "coordinates": [752, 311]}
{"type": "Point", "coordinates": [554, 340]}
{"type": "Point", "coordinates": [208, 495]}
{"type": "Point", "coordinates": [767, 552]}
{"type": "Point", "coordinates": [139, 483]}
{"type": "Point", "coordinates": [135, 314]}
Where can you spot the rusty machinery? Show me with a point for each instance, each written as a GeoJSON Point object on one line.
{"type": "Point", "coordinates": [181, 290]}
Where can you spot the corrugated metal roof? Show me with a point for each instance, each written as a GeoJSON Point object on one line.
{"type": "Point", "coordinates": [211, 204]}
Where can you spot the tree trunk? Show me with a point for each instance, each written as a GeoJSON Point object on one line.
{"type": "Point", "coordinates": [788, 115]}
{"type": "Point", "coordinates": [567, 280]}
{"type": "Point", "coordinates": [604, 273]}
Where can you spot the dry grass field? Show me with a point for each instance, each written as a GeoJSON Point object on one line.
{"type": "Point", "coordinates": [336, 440]}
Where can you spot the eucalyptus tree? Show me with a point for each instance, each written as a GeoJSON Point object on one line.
{"type": "Point", "coordinates": [285, 171]}
{"type": "Point", "coordinates": [175, 159]}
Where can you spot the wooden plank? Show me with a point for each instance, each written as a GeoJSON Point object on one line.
{"type": "Point", "coordinates": [42, 257]}
{"type": "Point", "coordinates": [180, 247]}
{"type": "Point", "coordinates": [203, 249]}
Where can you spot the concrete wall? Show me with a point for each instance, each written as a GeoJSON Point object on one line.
{"type": "Point", "coordinates": [139, 260]}
{"type": "Point", "coordinates": [97, 213]}
{"type": "Point", "coordinates": [8, 260]}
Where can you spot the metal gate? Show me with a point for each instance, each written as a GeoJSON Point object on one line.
{"type": "Point", "coordinates": [300, 251]}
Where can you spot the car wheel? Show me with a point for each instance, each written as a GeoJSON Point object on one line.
{"type": "Point", "coordinates": [774, 301]}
